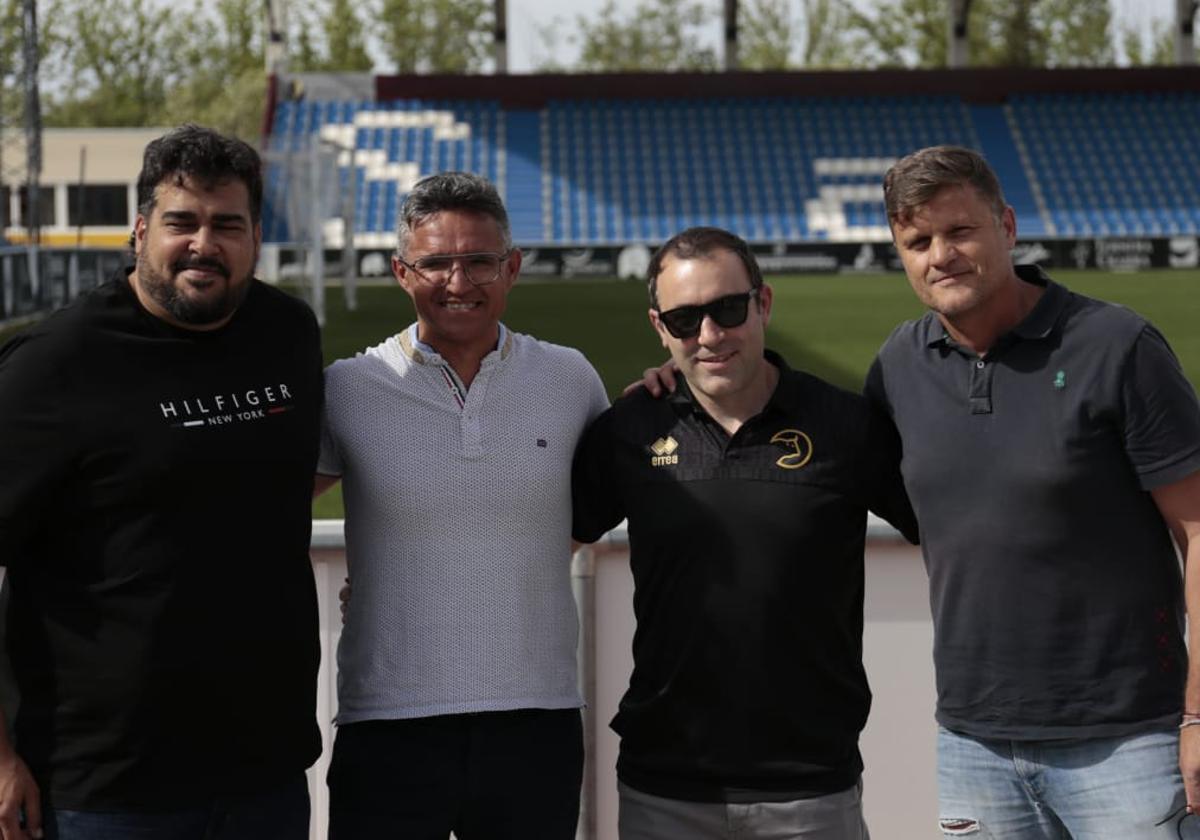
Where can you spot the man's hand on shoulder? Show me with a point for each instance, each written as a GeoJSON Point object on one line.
{"type": "Point", "coordinates": [18, 792]}
{"type": "Point", "coordinates": [657, 380]}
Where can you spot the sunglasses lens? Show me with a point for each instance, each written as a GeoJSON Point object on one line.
{"type": "Point", "coordinates": [730, 311]}
{"type": "Point", "coordinates": [683, 322]}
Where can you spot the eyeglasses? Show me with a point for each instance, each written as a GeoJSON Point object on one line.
{"type": "Point", "coordinates": [480, 268]}
{"type": "Point", "coordinates": [729, 311]}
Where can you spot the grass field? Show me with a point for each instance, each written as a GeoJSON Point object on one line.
{"type": "Point", "coordinates": [830, 325]}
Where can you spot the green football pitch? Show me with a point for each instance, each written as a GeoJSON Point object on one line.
{"type": "Point", "coordinates": [830, 325]}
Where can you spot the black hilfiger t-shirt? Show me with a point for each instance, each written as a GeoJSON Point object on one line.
{"type": "Point", "coordinates": [154, 520]}
{"type": "Point", "coordinates": [747, 556]}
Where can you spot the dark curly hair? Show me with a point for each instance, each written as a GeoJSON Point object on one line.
{"type": "Point", "coordinates": [204, 156]}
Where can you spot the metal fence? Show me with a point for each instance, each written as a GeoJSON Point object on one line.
{"type": "Point", "coordinates": [38, 280]}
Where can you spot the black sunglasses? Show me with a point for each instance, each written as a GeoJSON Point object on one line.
{"type": "Point", "coordinates": [729, 311]}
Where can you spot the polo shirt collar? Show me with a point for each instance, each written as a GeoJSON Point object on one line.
{"type": "Point", "coordinates": [683, 400]}
{"type": "Point", "coordinates": [1037, 324]}
{"type": "Point", "coordinates": [423, 354]}
{"type": "Point", "coordinates": [1041, 320]}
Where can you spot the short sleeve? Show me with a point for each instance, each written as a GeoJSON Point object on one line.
{"type": "Point", "coordinates": [873, 388]}
{"type": "Point", "coordinates": [597, 396]}
{"type": "Point", "coordinates": [596, 504]}
{"type": "Point", "coordinates": [35, 451]}
{"type": "Point", "coordinates": [1161, 414]}
{"type": "Point", "coordinates": [886, 495]}
{"type": "Point", "coordinates": [329, 461]}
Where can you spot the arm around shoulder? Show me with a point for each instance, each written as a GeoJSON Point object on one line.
{"type": "Point", "coordinates": [19, 794]}
{"type": "Point", "coordinates": [595, 501]}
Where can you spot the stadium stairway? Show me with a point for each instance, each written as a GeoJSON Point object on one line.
{"type": "Point", "coordinates": [1000, 142]}
{"type": "Point", "coordinates": [773, 169]}
{"type": "Point", "coordinates": [523, 184]}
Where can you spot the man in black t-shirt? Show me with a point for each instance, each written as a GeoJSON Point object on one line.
{"type": "Point", "coordinates": [1051, 450]}
{"type": "Point", "coordinates": [746, 494]}
{"type": "Point", "coordinates": [158, 439]}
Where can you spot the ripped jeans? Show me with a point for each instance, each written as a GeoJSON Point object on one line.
{"type": "Point", "coordinates": [1094, 789]}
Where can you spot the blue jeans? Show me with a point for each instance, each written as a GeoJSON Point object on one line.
{"type": "Point", "coordinates": [1090, 789]}
{"type": "Point", "coordinates": [279, 813]}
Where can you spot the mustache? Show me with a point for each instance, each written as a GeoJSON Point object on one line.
{"type": "Point", "coordinates": [207, 263]}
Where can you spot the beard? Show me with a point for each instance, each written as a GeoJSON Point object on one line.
{"type": "Point", "coordinates": [185, 309]}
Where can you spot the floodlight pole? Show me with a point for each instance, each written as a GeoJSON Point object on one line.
{"type": "Point", "coordinates": [499, 12]}
{"type": "Point", "coordinates": [731, 35]}
{"type": "Point", "coordinates": [276, 51]}
{"type": "Point", "coordinates": [1185, 31]}
{"type": "Point", "coordinates": [33, 141]}
{"type": "Point", "coordinates": [958, 52]}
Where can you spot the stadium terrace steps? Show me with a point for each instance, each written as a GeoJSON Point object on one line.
{"type": "Point", "coordinates": [1001, 143]}
{"type": "Point", "coordinates": [1115, 164]}
{"type": "Point", "coordinates": [522, 190]}
{"type": "Point", "coordinates": [773, 169]}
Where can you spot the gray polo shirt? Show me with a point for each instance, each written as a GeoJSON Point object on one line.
{"type": "Point", "coordinates": [1054, 585]}
{"type": "Point", "coordinates": [458, 526]}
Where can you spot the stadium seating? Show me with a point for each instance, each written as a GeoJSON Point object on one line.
{"type": "Point", "coordinates": [595, 172]}
{"type": "Point", "coordinates": [385, 147]}
{"type": "Point", "coordinates": [1113, 165]}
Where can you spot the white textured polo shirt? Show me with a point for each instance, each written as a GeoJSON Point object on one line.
{"type": "Point", "coordinates": [458, 526]}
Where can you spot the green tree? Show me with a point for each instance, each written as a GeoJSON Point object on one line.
{"type": "Point", "coordinates": [1077, 33]}
{"type": "Point", "coordinates": [1042, 33]}
{"type": "Point", "coordinates": [117, 59]}
{"type": "Point", "coordinates": [343, 46]}
{"type": "Point", "coordinates": [436, 36]}
{"type": "Point", "coordinates": [899, 33]}
{"type": "Point", "coordinates": [223, 83]}
{"type": "Point", "coordinates": [771, 37]}
{"type": "Point", "coordinates": [658, 35]}
{"type": "Point", "coordinates": [767, 32]}
{"type": "Point", "coordinates": [825, 41]}
{"type": "Point", "coordinates": [1001, 33]}
{"type": "Point", "coordinates": [10, 62]}
{"type": "Point", "coordinates": [346, 44]}
{"type": "Point", "coordinates": [1156, 47]}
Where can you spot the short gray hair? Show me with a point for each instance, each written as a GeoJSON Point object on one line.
{"type": "Point", "coordinates": [450, 191]}
{"type": "Point", "coordinates": [914, 180]}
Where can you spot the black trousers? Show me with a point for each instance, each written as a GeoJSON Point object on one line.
{"type": "Point", "coordinates": [484, 776]}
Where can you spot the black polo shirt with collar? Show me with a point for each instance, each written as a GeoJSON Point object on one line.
{"type": "Point", "coordinates": [1054, 584]}
{"type": "Point", "coordinates": [747, 557]}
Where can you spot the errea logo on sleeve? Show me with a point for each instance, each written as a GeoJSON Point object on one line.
{"type": "Point", "coordinates": [663, 452]}
{"type": "Point", "coordinates": [225, 408]}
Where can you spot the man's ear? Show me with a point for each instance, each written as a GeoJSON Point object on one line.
{"type": "Point", "coordinates": [512, 266]}
{"type": "Point", "coordinates": [658, 327]}
{"type": "Point", "coordinates": [765, 295]}
{"type": "Point", "coordinates": [139, 233]}
{"type": "Point", "coordinates": [400, 272]}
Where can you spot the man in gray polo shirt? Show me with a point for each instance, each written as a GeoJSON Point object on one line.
{"type": "Point", "coordinates": [458, 704]}
{"type": "Point", "coordinates": [1051, 450]}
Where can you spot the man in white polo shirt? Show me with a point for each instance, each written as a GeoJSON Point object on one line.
{"type": "Point", "coordinates": [457, 692]}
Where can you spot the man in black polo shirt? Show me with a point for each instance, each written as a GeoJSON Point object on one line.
{"type": "Point", "coordinates": [746, 494]}
{"type": "Point", "coordinates": [1051, 449]}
